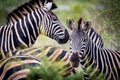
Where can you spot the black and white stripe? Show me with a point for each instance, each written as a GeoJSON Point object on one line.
{"type": "Point", "coordinates": [95, 37]}
{"type": "Point", "coordinates": [19, 64]}
{"type": "Point", "coordinates": [17, 67]}
{"type": "Point", "coordinates": [87, 54]}
{"type": "Point", "coordinates": [22, 31]}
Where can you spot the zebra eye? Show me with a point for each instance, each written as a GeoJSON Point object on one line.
{"type": "Point", "coordinates": [54, 18]}
{"type": "Point", "coordinates": [85, 39]}
{"type": "Point", "coordinates": [70, 48]}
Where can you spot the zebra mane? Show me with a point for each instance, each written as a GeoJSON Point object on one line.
{"type": "Point", "coordinates": [25, 9]}
{"type": "Point", "coordinates": [80, 22]}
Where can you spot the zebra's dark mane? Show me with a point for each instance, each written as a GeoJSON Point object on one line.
{"type": "Point", "coordinates": [25, 9]}
{"type": "Point", "coordinates": [79, 23]}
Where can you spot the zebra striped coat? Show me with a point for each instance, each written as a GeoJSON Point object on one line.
{"type": "Point", "coordinates": [22, 31]}
{"type": "Point", "coordinates": [16, 67]}
{"type": "Point", "coordinates": [106, 61]}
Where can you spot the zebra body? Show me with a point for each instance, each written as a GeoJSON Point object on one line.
{"type": "Point", "coordinates": [17, 67]}
{"type": "Point", "coordinates": [32, 57]}
{"type": "Point", "coordinates": [88, 54]}
{"type": "Point", "coordinates": [21, 32]}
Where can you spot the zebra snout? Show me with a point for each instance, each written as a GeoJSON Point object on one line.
{"type": "Point", "coordinates": [66, 35]}
{"type": "Point", "coordinates": [74, 59]}
{"type": "Point", "coordinates": [65, 39]}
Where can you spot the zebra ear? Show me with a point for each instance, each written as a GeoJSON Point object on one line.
{"type": "Point", "coordinates": [54, 6]}
{"type": "Point", "coordinates": [70, 23]}
{"type": "Point", "coordinates": [87, 26]}
{"type": "Point", "coordinates": [49, 5]}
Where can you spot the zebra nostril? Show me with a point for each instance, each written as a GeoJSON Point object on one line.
{"type": "Point", "coordinates": [74, 59]}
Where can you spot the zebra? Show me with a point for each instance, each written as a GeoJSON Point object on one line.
{"type": "Point", "coordinates": [16, 67]}
{"type": "Point", "coordinates": [87, 54]}
{"type": "Point", "coordinates": [92, 34]}
{"type": "Point", "coordinates": [23, 32]}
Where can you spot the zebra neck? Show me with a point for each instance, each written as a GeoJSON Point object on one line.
{"type": "Point", "coordinates": [6, 39]}
{"type": "Point", "coordinates": [29, 29]}
{"type": "Point", "coordinates": [89, 55]}
{"type": "Point", "coordinates": [21, 34]}
{"type": "Point", "coordinates": [44, 29]}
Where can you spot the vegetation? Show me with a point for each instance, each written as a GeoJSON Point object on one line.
{"type": "Point", "coordinates": [6, 6]}
{"type": "Point", "coordinates": [111, 21]}
{"type": "Point", "coordinates": [47, 71]}
{"type": "Point", "coordinates": [55, 71]}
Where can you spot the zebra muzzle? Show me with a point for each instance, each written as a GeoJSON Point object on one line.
{"type": "Point", "coordinates": [74, 60]}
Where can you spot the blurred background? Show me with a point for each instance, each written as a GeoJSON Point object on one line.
{"type": "Point", "coordinates": [104, 14]}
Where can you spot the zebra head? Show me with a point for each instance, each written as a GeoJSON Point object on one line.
{"type": "Point", "coordinates": [79, 40]}
{"type": "Point", "coordinates": [50, 24]}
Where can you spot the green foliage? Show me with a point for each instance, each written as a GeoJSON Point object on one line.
{"type": "Point", "coordinates": [109, 39]}
{"type": "Point", "coordinates": [109, 11]}
{"type": "Point", "coordinates": [6, 6]}
{"type": "Point", "coordinates": [47, 71]}
{"type": "Point", "coordinates": [95, 75]}
{"type": "Point", "coordinates": [54, 71]}
{"type": "Point", "coordinates": [77, 76]}
{"type": "Point", "coordinates": [112, 17]}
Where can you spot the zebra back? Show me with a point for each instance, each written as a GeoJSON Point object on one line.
{"type": "Point", "coordinates": [53, 53]}
{"type": "Point", "coordinates": [32, 57]}
{"type": "Point", "coordinates": [17, 67]}
{"type": "Point", "coordinates": [26, 8]}
{"type": "Point", "coordinates": [95, 37]}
